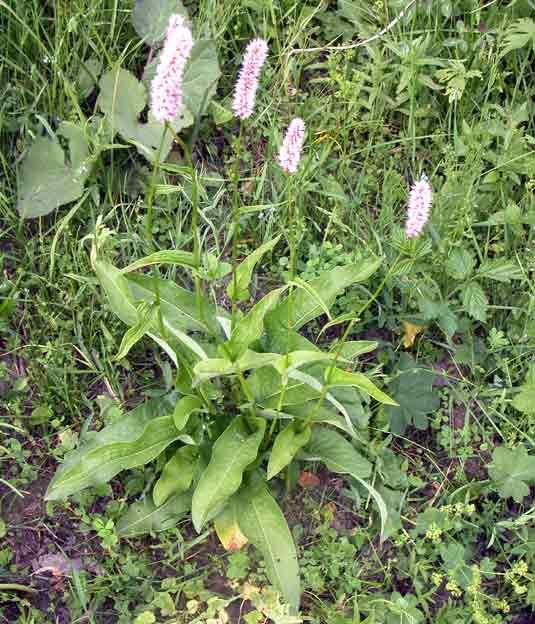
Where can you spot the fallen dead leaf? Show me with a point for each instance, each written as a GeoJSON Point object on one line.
{"type": "Point", "coordinates": [410, 331]}
{"type": "Point", "coordinates": [58, 565]}
{"type": "Point", "coordinates": [309, 480]}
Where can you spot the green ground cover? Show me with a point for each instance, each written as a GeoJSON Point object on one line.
{"type": "Point", "coordinates": [425, 511]}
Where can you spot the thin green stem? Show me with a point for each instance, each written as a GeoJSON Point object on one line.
{"type": "Point", "coordinates": [236, 227]}
{"type": "Point", "coordinates": [291, 240]}
{"type": "Point", "coordinates": [152, 187]}
{"type": "Point", "coordinates": [194, 222]}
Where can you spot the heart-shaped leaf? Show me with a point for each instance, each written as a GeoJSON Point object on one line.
{"type": "Point", "coordinates": [122, 99]}
{"type": "Point", "coordinates": [46, 181]}
{"type": "Point", "coordinates": [151, 18]}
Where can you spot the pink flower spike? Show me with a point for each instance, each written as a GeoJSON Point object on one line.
{"type": "Point", "coordinates": [419, 209]}
{"type": "Point", "coordinates": [292, 146]}
{"type": "Point", "coordinates": [166, 88]}
{"type": "Point", "coordinates": [247, 84]}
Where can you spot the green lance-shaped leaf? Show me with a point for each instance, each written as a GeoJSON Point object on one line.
{"type": "Point", "coordinates": [263, 523]}
{"type": "Point", "coordinates": [305, 307]}
{"type": "Point", "coordinates": [45, 180]}
{"type": "Point", "coordinates": [250, 328]}
{"type": "Point", "coordinates": [331, 448]}
{"type": "Point", "coordinates": [338, 377]}
{"type": "Point", "coordinates": [117, 292]}
{"type": "Point", "coordinates": [178, 305]}
{"type": "Point", "coordinates": [244, 271]}
{"type": "Point", "coordinates": [177, 474]}
{"type": "Point", "coordinates": [133, 441]}
{"type": "Point", "coordinates": [222, 367]}
{"type": "Point", "coordinates": [233, 451]}
{"type": "Point", "coordinates": [174, 257]}
{"type": "Point", "coordinates": [151, 18]}
{"type": "Point", "coordinates": [353, 348]}
{"type": "Point", "coordinates": [184, 408]}
{"type": "Point", "coordinates": [296, 359]}
{"type": "Point", "coordinates": [122, 300]}
{"type": "Point", "coordinates": [287, 443]}
{"type": "Point", "coordinates": [313, 383]}
{"type": "Point", "coordinates": [145, 517]}
{"type": "Point", "coordinates": [339, 455]}
{"type": "Point", "coordinates": [146, 318]}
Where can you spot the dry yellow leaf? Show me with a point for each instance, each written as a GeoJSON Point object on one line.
{"type": "Point", "coordinates": [410, 331]}
{"type": "Point", "coordinates": [228, 530]}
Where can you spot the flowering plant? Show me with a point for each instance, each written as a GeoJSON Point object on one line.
{"type": "Point", "coordinates": [253, 398]}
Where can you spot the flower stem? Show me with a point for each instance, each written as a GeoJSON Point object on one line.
{"type": "Point", "coordinates": [194, 222]}
{"type": "Point", "coordinates": [236, 227]}
{"type": "Point", "coordinates": [152, 187]}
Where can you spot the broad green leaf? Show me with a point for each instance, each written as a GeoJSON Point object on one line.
{"type": "Point", "coordinates": [475, 301]}
{"type": "Point", "coordinates": [117, 291]}
{"type": "Point", "coordinates": [343, 318]}
{"type": "Point", "coordinates": [278, 339]}
{"type": "Point", "coordinates": [122, 99]}
{"type": "Point", "coordinates": [244, 271]}
{"type": "Point", "coordinates": [227, 527]}
{"type": "Point", "coordinates": [145, 517]}
{"type": "Point", "coordinates": [324, 415]}
{"type": "Point", "coordinates": [46, 181]}
{"type": "Point", "coordinates": [233, 451]}
{"type": "Point", "coordinates": [213, 268]}
{"type": "Point", "coordinates": [460, 264]}
{"type": "Point", "coordinates": [184, 408]}
{"type": "Point", "coordinates": [286, 444]}
{"type": "Point", "coordinates": [133, 441]}
{"type": "Point", "coordinates": [264, 525]}
{"type": "Point", "coordinates": [151, 18]}
{"type": "Point", "coordinates": [201, 76]}
{"type": "Point", "coordinates": [301, 391]}
{"type": "Point", "coordinates": [178, 305]}
{"type": "Point", "coordinates": [339, 455]}
{"type": "Point", "coordinates": [511, 471]}
{"type": "Point", "coordinates": [500, 270]}
{"type": "Point", "coordinates": [177, 475]}
{"type": "Point", "coordinates": [311, 381]}
{"type": "Point", "coordinates": [122, 291]}
{"type": "Point", "coordinates": [353, 348]}
{"type": "Point", "coordinates": [305, 308]}
{"type": "Point", "coordinates": [337, 377]}
{"type": "Point", "coordinates": [250, 328]}
{"type": "Point", "coordinates": [146, 318]}
{"type": "Point", "coordinates": [121, 300]}
{"type": "Point", "coordinates": [413, 391]}
{"type": "Point", "coordinates": [309, 289]}
{"type": "Point", "coordinates": [169, 256]}
{"type": "Point", "coordinates": [297, 359]}
{"type": "Point", "coordinates": [221, 367]}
